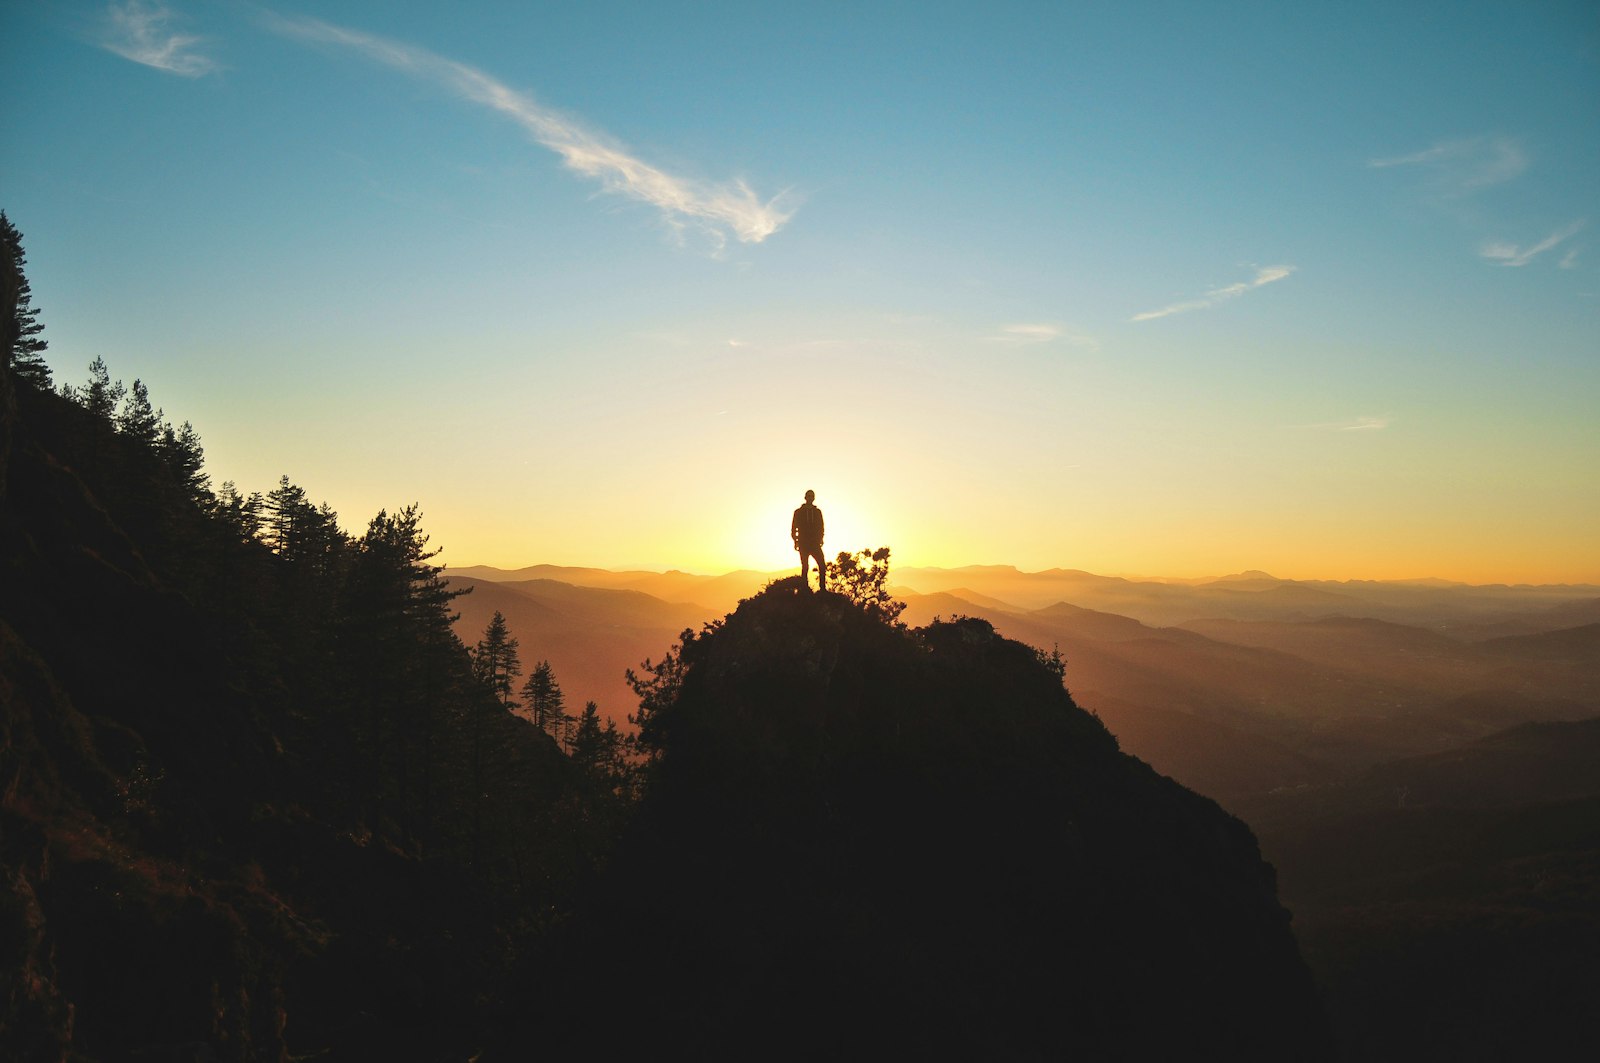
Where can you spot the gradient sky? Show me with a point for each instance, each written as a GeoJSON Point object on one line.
{"type": "Point", "coordinates": [1171, 289]}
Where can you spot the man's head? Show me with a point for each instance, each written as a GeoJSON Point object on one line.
{"type": "Point", "coordinates": [811, 496]}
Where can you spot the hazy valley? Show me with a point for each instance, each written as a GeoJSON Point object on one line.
{"type": "Point", "coordinates": [1233, 686]}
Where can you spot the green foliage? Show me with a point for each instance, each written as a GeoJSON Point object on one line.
{"type": "Point", "coordinates": [863, 578]}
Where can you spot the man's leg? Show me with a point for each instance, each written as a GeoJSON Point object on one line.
{"type": "Point", "coordinates": [805, 566]}
{"type": "Point", "coordinates": [822, 570]}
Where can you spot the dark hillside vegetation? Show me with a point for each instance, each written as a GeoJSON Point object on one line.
{"type": "Point", "coordinates": [863, 840]}
{"type": "Point", "coordinates": [254, 802]}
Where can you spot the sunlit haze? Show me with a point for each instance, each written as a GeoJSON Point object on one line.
{"type": "Point", "coordinates": [1160, 289]}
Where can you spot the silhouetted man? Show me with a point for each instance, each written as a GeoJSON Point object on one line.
{"type": "Point", "coordinates": [806, 530]}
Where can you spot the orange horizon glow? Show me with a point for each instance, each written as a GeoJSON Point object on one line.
{"type": "Point", "coordinates": [711, 533]}
{"type": "Point", "coordinates": [776, 565]}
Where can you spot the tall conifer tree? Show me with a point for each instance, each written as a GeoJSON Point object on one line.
{"type": "Point", "coordinates": [26, 356]}
{"type": "Point", "coordinates": [546, 702]}
{"type": "Point", "coordinates": [496, 660]}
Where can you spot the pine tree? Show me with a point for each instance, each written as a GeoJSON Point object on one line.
{"type": "Point", "coordinates": [546, 703]}
{"type": "Point", "coordinates": [241, 514]}
{"type": "Point", "coordinates": [495, 660]}
{"type": "Point", "coordinates": [138, 419]}
{"type": "Point", "coordinates": [588, 740]}
{"type": "Point", "coordinates": [185, 457]}
{"type": "Point", "coordinates": [398, 650]}
{"type": "Point", "coordinates": [297, 530]}
{"type": "Point", "coordinates": [100, 396]}
{"type": "Point", "coordinates": [26, 356]}
{"type": "Point", "coordinates": [613, 756]}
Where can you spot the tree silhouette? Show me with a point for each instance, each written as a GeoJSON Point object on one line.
{"type": "Point", "coordinates": [495, 660]}
{"type": "Point", "coordinates": [26, 356]}
{"type": "Point", "coordinates": [588, 740]}
{"type": "Point", "coordinates": [863, 577]}
{"type": "Point", "coordinates": [139, 419]}
{"type": "Point", "coordinates": [100, 396]}
{"type": "Point", "coordinates": [241, 514]}
{"type": "Point", "coordinates": [180, 447]}
{"type": "Point", "coordinates": [401, 658]}
{"type": "Point", "coordinates": [547, 705]}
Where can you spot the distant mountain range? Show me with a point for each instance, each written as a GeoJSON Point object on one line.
{"type": "Point", "coordinates": [1464, 610]}
{"type": "Point", "coordinates": [1233, 685]}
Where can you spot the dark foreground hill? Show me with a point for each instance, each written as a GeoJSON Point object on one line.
{"type": "Point", "coordinates": [860, 840]}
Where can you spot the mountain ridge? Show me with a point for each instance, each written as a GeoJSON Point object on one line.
{"type": "Point", "coordinates": [898, 834]}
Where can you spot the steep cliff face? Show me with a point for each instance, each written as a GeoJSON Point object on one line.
{"type": "Point", "coordinates": [860, 838]}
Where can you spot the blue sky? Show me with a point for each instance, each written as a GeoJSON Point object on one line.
{"type": "Point", "coordinates": [1171, 288]}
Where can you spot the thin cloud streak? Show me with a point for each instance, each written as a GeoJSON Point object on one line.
{"type": "Point", "coordinates": [138, 31]}
{"type": "Point", "coordinates": [1264, 276]}
{"type": "Point", "coordinates": [1029, 333]}
{"type": "Point", "coordinates": [1503, 254]}
{"type": "Point", "coordinates": [731, 206]}
{"type": "Point", "coordinates": [1355, 424]}
{"type": "Point", "coordinates": [1465, 166]}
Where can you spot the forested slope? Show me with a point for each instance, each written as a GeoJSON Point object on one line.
{"type": "Point", "coordinates": [254, 797]}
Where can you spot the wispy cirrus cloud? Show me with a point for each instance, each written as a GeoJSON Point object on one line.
{"type": "Point", "coordinates": [1461, 167]}
{"type": "Point", "coordinates": [139, 31]}
{"type": "Point", "coordinates": [1504, 254]}
{"type": "Point", "coordinates": [1027, 333]}
{"type": "Point", "coordinates": [1364, 423]}
{"type": "Point", "coordinates": [717, 208]}
{"type": "Point", "coordinates": [1264, 276]}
